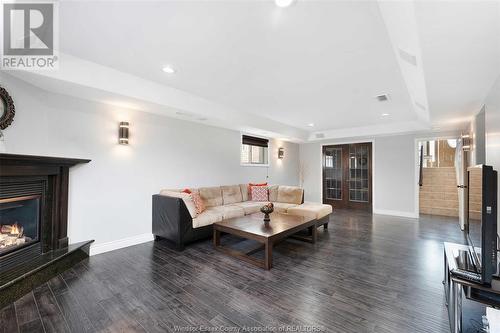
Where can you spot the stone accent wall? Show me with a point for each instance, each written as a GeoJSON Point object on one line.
{"type": "Point", "coordinates": [439, 194]}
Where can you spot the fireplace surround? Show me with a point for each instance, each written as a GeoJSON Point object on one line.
{"type": "Point", "coordinates": [34, 222]}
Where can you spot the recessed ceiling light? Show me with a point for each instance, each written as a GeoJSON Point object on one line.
{"type": "Point", "coordinates": [385, 114]}
{"type": "Point", "coordinates": [283, 3]}
{"type": "Point", "coordinates": [310, 124]}
{"type": "Point", "coordinates": [168, 69]}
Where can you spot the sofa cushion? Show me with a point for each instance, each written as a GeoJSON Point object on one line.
{"type": "Point", "coordinates": [250, 207]}
{"type": "Point", "coordinates": [212, 196]}
{"type": "Point", "coordinates": [273, 193]}
{"type": "Point", "coordinates": [311, 209]}
{"type": "Point", "coordinates": [244, 192]}
{"type": "Point", "coordinates": [281, 207]}
{"type": "Point", "coordinates": [208, 217]}
{"type": "Point", "coordinates": [290, 194]}
{"type": "Point", "coordinates": [228, 211]}
{"type": "Point", "coordinates": [188, 200]}
{"type": "Point", "coordinates": [231, 194]}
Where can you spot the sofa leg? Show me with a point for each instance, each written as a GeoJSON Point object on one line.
{"type": "Point", "coordinates": [325, 226]}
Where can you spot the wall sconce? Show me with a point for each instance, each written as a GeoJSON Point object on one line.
{"type": "Point", "coordinates": [123, 133]}
{"type": "Point", "coordinates": [466, 142]}
{"type": "Point", "coordinates": [281, 153]}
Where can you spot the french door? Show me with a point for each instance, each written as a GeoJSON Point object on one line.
{"type": "Point", "coordinates": [347, 176]}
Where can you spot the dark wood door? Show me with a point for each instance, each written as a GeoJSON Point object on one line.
{"type": "Point", "coordinates": [347, 176]}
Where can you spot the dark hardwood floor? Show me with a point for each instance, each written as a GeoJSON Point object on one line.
{"type": "Point", "coordinates": [365, 274]}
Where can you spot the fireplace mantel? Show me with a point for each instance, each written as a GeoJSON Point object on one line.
{"type": "Point", "coordinates": [16, 158]}
{"type": "Point", "coordinates": [20, 165]}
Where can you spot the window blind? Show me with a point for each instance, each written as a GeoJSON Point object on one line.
{"type": "Point", "coordinates": [254, 141]}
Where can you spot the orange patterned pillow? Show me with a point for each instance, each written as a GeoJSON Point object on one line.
{"type": "Point", "coordinates": [198, 202]}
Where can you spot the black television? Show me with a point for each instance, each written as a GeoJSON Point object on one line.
{"type": "Point", "coordinates": [482, 220]}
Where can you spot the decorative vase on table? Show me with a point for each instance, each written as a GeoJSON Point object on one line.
{"type": "Point", "coordinates": [267, 209]}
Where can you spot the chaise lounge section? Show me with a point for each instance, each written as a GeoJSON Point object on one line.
{"type": "Point", "coordinates": [176, 220]}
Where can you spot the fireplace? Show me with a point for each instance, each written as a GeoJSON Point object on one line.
{"type": "Point", "coordinates": [19, 222]}
{"type": "Point", "coordinates": [34, 245]}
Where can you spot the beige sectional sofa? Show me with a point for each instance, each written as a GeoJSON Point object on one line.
{"type": "Point", "coordinates": [175, 219]}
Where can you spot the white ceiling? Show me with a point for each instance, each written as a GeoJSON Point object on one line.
{"type": "Point", "coordinates": [315, 62]}
{"type": "Point", "coordinates": [320, 62]}
{"type": "Point", "coordinates": [460, 45]}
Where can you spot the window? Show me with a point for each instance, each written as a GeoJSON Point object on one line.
{"type": "Point", "coordinates": [254, 151]}
{"type": "Point", "coordinates": [438, 153]}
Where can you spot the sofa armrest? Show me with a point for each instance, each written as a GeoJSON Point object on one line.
{"type": "Point", "coordinates": [171, 219]}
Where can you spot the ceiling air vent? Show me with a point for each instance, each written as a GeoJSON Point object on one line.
{"type": "Point", "coordinates": [420, 106]}
{"type": "Point", "coordinates": [382, 98]}
{"type": "Point", "coordinates": [408, 57]}
{"type": "Point", "coordinates": [320, 135]}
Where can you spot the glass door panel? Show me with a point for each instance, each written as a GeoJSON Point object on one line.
{"type": "Point", "coordinates": [333, 173]}
{"type": "Point", "coordinates": [358, 173]}
{"type": "Point", "coordinates": [347, 176]}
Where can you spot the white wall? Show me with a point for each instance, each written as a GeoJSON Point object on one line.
{"type": "Point", "coordinates": [394, 182]}
{"type": "Point", "coordinates": [110, 198]}
{"type": "Point", "coordinates": [477, 131]}
{"type": "Point", "coordinates": [492, 114]}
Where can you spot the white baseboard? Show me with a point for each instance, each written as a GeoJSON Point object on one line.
{"type": "Point", "coordinates": [120, 243]}
{"type": "Point", "coordinates": [396, 213]}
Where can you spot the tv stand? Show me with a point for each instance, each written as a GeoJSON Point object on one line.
{"type": "Point", "coordinates": [457, 256]}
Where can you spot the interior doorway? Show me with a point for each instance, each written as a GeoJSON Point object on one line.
{"type": "Point", "coordinates": [347, 175]}
{"type": "Point", "coordinates": [440, 177]}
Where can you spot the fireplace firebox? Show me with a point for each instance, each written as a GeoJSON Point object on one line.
{"type": "Point", "coordinates": [19, 222]}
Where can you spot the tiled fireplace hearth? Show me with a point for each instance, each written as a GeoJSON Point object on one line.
{"type": "Point", "coordinates": [33, 222]}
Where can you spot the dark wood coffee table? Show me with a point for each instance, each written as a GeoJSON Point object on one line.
{"type": "Point", "coordinates": [252, 227]}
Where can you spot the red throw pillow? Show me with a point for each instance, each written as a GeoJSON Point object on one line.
{"type": "Point", "coordinates": [250, 189]}
{"type": "Point", "coordinates": [260, 193]}
{"type": "Point", "coordinates": [198, 202]}
{"type": "Point", "coordinates": [186, 190]}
